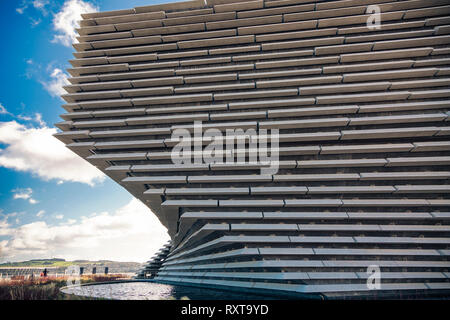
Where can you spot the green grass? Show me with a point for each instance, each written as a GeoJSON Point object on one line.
{"type": "Point", "coordinates": [37, 263]}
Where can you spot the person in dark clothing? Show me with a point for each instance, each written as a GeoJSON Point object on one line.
{"type": "Point", "coordinates": [45, 272]}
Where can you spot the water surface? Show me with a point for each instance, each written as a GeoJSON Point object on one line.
{"type": "Point", "coordinates": [156, 291]}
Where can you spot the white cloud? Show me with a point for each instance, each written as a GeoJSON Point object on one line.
{"type": "Point", "coordinates": [55, 85]}
{"type": "Point", "coordinates": [40, 213]}
{"type": "Point", "coordinates": [24, 194]}
{"type": "Point", "coordinates": [25, 118]}
{"type": "Point", "coordinates": [35, 22]}
{"type": "Point", "coordinates": [66, 20]}
{"type": "Point", "coordinates": [23, 6]}
{"type": "Point", "coordinates": [52, 77]}
{"type": "Point", "coordinates": [35, 150]}
{"type": "Point", "coordinates": [3, 110]}
{"type": "Point", "coordinates": [5, 230]}
{"type": "Point", "coordinates": [40, 4]}
{"type": "Point", "coordinates": [5, 226]}
{"type": "Point", "coordinates": [59, 216]}
{"type": "Point", "coordinates": [131, 233]}
{"type": "Point", "coordinates": [37, 118]}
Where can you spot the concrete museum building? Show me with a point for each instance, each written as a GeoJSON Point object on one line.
{"type": "Point", "coordinates": [292, 147]}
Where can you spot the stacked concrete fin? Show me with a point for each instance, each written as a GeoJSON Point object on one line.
{"type": "Point", "coordinates": [363, 117]}
{"type": "Point", "coordinates": [154, 264]}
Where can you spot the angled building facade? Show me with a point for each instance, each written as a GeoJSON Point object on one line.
{"type": "Point", "coordinates": [358, 92]}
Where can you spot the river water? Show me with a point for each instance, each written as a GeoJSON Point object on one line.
{"type": "Point", "coordinates": [156, 291]}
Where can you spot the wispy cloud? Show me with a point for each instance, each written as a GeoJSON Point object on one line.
{"type": "Point", "coordinates": [117, 235]}
{"type": "Point", "coordinates": [35, 22]}
{"type": "Point", "coordinates": [21, 10]}
{"type": "Point", "coordinates": [4, 217]}
{"type": "Point", "coordinates": [40, 213]}
{"type": "Point", "coordinates": [24, 194]}
{"type": "Point", "coordinates": [37, 118]}
{"type": "Point", "coordinates": [52, 77]}
{"type": "Point", "coordinates": [66, 20]}
{"type": "Point", "coordinates": [40, 7]}
{"type": "Point", "coordinates": [54, 86]}
{"type": "Point", "coordinates": [34, 149]}
{"type": "Point", "coordinates": [3, 110]}
{"type": "Point", "coordinates": [40, 4]}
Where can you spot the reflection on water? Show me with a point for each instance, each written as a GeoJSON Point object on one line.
{"type": "Point", "coordinates": [155, 291]}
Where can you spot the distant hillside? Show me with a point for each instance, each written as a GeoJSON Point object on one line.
{"type": "Point", "coordinates": [38, 263]}
{"type": "Point", "coordinates": [62, 263]}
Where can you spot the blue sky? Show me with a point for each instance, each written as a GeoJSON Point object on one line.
{"type": "Point", "coordinates": [47, 195]}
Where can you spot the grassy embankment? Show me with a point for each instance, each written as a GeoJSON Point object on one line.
{"type": "Point", "coordinates": [45, 288]}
